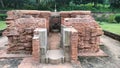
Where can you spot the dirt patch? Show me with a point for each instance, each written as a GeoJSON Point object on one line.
{"type": "Point", "coordinates": [9, 63]}
{"type": "Point", "coordinates": [111, 47]}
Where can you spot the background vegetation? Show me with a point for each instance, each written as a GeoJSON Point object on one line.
{"type": "Point", "coordinates": [108, 10]}
{"type": "Point", "coordinates": [2, 25]}
{"type": "Point", "coordinates": [93, 5]}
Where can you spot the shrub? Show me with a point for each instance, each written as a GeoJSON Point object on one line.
{"type": "Point", "coordinates": [117, 18]}
{"type": "Point", "coordinates": [2, 25]}
{"type": "Point", "coordinates": [3, 17]}
{"type": "Point", "coordinates": [101, 17]}
{"type": "Point", "coordinates": [111, 18]}
{"type": "Point", "coordinates": [27, 6]}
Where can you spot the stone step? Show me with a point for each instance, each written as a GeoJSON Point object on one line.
{"type": "Point", "coordinates": [55, 56]}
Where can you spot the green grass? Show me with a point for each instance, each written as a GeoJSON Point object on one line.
{"type": "Point", "coordinates": [3, 15]}
{"type": "Point", "coordinates": [112, 27]}
{"type": "Point", "coordinates": [2, 25]}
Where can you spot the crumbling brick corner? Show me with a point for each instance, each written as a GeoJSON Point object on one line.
{"type": "Point", "coordinates": [20, 27]}
{"type": "Point", "coordinates": [89, 31]}
{"type": "Point", "coordinates": [74, 46]}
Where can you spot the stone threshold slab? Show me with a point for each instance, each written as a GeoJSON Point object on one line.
{"type": "Point", "coordinates": [55, 54]}
{"type": "Point", "coordinates": [100, 53]}
{"type": "Point", "coordinates": [4, 55]}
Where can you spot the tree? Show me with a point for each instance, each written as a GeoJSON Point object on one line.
{"type": "Point", "coordinates": [95, 2]}
{"type": "Point", "coordinates": [2, 4]}
{"type": "Point", "coordinates": [13, 3]}
{"type": "Point", "coordinates": [50, 4]}
{"type": "Point", "coordinates": [114, 3]}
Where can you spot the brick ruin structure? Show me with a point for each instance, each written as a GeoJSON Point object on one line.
{"type": "Point", "coordinates": [28, 32]}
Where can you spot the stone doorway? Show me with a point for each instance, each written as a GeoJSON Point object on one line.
{"type": "Point", "coordinates": [55, 22]}
{"type": "Point", "coordinates": [56, 50]}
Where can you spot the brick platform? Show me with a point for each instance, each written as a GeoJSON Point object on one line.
{"type": "Point", "coordinates": [4, 55]}
{"type": "Point", "coordinates": [97, 54]}
{"type": "Point", "coordinates": [30, 63]}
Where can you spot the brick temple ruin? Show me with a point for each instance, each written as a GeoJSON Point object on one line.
{"type": "Point", "coordinates": [53, 37]}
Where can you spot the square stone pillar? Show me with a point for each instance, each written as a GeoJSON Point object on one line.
{"type": "Point", "coordinates": [43, 40]}
{"type": "Point", "coordinates": [70, 39]}
{"type": "Point", "coordinates": [40, 44]}
{"type": "Point", "coordinates": [66, 33]}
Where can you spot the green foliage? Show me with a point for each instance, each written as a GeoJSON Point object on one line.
{"type": "Point", "coordinates": [115, 3]}
{"type": "Point", "coordinates": [16, 4]}
{"type": "Point", "coordinates": [2, 25]}
{"type": "Point", "coordinates": [3, 17]}
{"type": "Point", "coordinates": [117, 18]}
{"type": "Point", "coordinates": [50, 4]}
{"type": "Point", "coordinates": [111, 18]}
{"type": "Point", "coordinates": [61, 5]}
{"type": "Point", "coordinates": [88, 1]}
{"type": "Point", "coordinates": [89, 6]}
{"type": "Point", "coordinates": [28, 6]}
{"type": "Point", "coordinates": [101, 17]}
{"type": "Point", "coordinates": [107, 17]}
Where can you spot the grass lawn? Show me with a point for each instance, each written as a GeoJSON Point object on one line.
{"type": "Point", "coordinates": [114, 28]}
{"type": "Point", "coordinates": [2, 25]}
{"type": "Point", "coordinates": [3, 15]}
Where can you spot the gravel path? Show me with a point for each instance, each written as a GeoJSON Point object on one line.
{"type": "Point", "coordinates": [110, 47]}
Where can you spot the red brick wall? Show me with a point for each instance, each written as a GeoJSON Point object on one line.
{"type": "Point", "coordinates": [89, 31]}
{"type": "Point", "coordinates": [21, 24]}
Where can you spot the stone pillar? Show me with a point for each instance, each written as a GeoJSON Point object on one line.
{"type": "Point", "coordinates": [40, 45]}
{"type": "Point", "coordinates": [66, 37]}
{"type": "Point", "coordinates": [74, 45]}
{"type": "Point", "coordinates": [43, 40]}
{"type": "Point", "coordinates": [70, 43]}
{"type": "Point", "coordinates": [66, 43]}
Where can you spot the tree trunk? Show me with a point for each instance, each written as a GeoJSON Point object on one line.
{"type": "Point", "coordinates": [1, 1]}
{"type": "Point", "coordinates": [95, 3]}
{"type": "Point", "coordinates": [37, 2]}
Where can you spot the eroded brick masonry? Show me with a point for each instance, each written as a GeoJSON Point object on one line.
{"type": "Point", "coordinates": [24, 27]}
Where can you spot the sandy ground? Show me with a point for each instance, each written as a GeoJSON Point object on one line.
{"type": "Point", "coordinates": [110, 47]}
